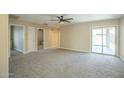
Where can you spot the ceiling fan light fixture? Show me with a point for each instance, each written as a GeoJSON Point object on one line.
{"type": "Point", "coordinates": [61, 22]}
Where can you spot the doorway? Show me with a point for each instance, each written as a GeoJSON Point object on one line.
{"type": "Point", "coordinates": [104, 40]}
{"type": "Point", "coordinates": [40, 39]}
{"type": "Point", "coordinates": [16, 40]}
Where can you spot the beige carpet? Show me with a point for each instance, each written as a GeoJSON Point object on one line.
{"type": "Point", "coordinates": [59, 63]}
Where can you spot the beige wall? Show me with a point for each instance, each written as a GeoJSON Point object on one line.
{"type": "Point", "coordinates": [51, 38]}
{"type": "Point", "coordinates": [3, 45]}
{"type": "Point", "coordinates": [122, 38]}
{"type": "Point", "coordinates": [78, 36]}
{"type": "Point", "coordinates": [55, 39]}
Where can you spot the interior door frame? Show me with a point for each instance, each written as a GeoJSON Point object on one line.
{"type": "Point", "coordinates": [116, 39]}
{"type": "Point", "coordinates": [43, 37]}
{"type": "Point", "coordinates": [24, 32]}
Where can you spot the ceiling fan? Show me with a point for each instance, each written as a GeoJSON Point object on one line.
{"type": "Point", "coordinates": [61, 19]}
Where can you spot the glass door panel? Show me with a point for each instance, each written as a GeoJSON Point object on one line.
{"type": "Point", "coordinates": [97, 40]}
{"type": "Point", "coordinates": [109, 40]}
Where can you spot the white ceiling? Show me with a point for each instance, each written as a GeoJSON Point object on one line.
{"type": "Point", "coordinates": [78, 18]}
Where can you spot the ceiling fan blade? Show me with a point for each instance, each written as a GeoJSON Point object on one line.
{"type": "Point", "coordinates": [58, 17]}
{"type": "Point", "coordinates": [69, 19]}
{"type": "Point", "coordinates": [53, 20]}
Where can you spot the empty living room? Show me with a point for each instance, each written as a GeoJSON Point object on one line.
{"type": "Point", "coordinates": [62, 45]}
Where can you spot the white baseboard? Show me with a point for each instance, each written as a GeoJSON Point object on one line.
{"type": "Point", "coordinates": [48, 48]}
{"type": "Point", "coordinates": [122, 58]}
{"type": "Point", "coordinates": [74, 49]}
{"type": "Point", "coordinates": [51, 48]}
{"type": "Point", "coordinates": [26, 52]}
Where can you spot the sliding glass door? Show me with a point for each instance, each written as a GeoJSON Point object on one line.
{"type": "Point", "coordinates": [103, 40]}
{"type": "Point", "coordinates": [97, 40]}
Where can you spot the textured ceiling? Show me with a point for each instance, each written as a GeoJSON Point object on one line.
{"type": "Point", "coordinates": [78, 18]}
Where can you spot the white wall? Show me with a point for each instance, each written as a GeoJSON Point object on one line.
{"type": "Point", "coordinates": [3, 45]}
{"type": "Point", "coordinates": [18, 38]}
{"type": "Point", "coordinates": [32, 39]}
{"type": "Point", "coordinates": [122, 38]}
{"type": "Point", "coordinates": [78, 36]}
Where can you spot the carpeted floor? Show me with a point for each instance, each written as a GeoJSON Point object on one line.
{"type": "Point", "coordinates": [58, 63]}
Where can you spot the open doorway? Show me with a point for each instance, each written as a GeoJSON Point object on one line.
{"type": "Point", "coordinates": [40, 39]}
{"type": "Point", "coordinates": [104, 40]}
{"type": "Point", "coordinates": [16, 40]}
